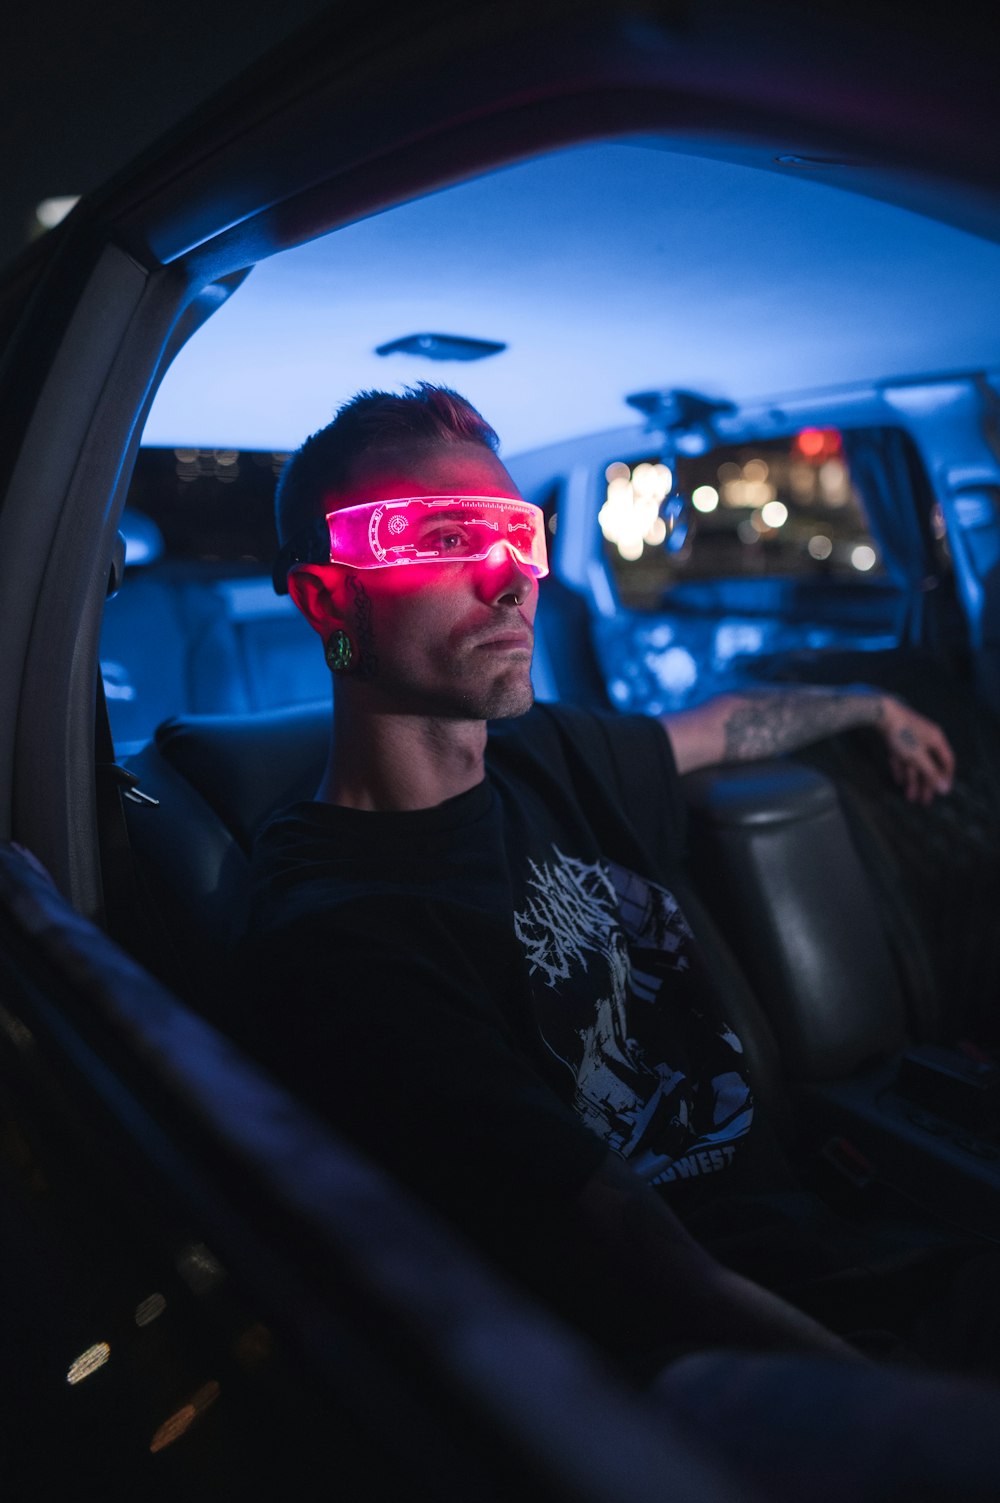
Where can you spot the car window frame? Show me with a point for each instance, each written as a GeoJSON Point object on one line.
{"type": "Point", "coordinates": [407, 106]}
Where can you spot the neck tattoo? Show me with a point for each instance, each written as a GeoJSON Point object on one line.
{"type": "Point", "coordinates": [367, 666]}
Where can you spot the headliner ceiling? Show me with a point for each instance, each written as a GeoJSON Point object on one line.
{"type": "Point", "coordinates": [606, 270]}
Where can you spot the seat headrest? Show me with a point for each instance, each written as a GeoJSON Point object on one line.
{"type": "Point", "coordinates": [143, 539]}
{"type": "Point", "coordinates": [246, 766]}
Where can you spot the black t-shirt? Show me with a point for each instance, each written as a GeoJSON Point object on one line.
{"type": "Point", "coordinates": [489, 994]}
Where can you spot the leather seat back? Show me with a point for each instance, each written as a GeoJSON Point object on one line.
{"type": "Point", "coordinates": [773, 859]}
{"type": "Point", "coordinates": [247, 766]}
{"type": "Point", "coordinates": [217, 778]}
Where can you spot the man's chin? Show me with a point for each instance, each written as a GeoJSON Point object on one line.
{"type": "Point", "coordinates": [503, 699]}
{"type": "Point", "coordinates": [510, 705]}
{"type": "Point", "coordinates": [506, 697]}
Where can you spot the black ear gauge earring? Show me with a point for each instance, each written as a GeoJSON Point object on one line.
{"type": "Point", "coordinates": [339, 652]}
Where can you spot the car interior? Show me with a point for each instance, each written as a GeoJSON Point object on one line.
{"type": "Point", "coordinates": [765, 519]}
{"type": "Point", "coordinates": [752, 377]}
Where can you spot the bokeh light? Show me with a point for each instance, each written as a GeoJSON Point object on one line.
{"type": "Point", "coordinates": [630, 517]}
{"type": "Point", "coordinates": [88, 1362]}
{"type": "Point", "coordinates": [149, 1309]}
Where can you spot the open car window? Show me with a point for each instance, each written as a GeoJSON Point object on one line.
{"type": "Point", "coordinates": [725, 563]}
{"type": "Point", "coordinates": [781, 540]}
{"type": "Point", "coordinates": [772, 507]}
{"type": "Point", "coordinates": [195, 626]}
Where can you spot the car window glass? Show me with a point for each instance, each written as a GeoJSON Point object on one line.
{"type": "Point", "coordinates": [196, 627]}
{"type": "Point", "coordinates": [775, 507]}
{"type": "Point", "coordinates": [212, 505]}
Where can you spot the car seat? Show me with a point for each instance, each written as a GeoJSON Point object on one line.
{"type": "Point", "coordinates": [776, 861]}
{"type": "Point", "coordinates": [213, 781]}
{"type": "Point", "coordinates": [935, 871]}
{"type": "Point", "coordinates": [198, 637]}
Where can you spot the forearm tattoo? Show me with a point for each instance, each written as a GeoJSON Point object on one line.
{"type": "Point", "coordinates": [764, 723]}
{"type": "Point", "coordinates": [364, 632]}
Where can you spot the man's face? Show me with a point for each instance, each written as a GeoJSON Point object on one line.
{"type": "Point", "coordinates": [441, 639]}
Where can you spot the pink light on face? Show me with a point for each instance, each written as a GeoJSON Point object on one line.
{"type": "Point", "coordinates": [500, 552]}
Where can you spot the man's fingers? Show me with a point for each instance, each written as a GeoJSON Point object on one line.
{"type": "Point", "coordinates": [937, 763]}
{"type": "Point", "coordinates": [904, 775]}
{"type": "Point", "coordinates": [943, 755]}
{"type": "Point", "coordinates": [917, 775]}
{"type": "Point", "coordinates": [924, 758]}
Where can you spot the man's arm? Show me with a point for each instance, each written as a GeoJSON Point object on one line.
{"type": "Point", "coordinates": [768, 722]}
{"type": "Point", "coordinates": [672, 1288]}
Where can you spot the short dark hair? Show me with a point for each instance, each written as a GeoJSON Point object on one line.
{"type": "Point", "coordinates": [419, 415]}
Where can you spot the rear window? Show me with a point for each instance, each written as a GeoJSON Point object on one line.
{"type": "Point", "coordinates": [780, 507]}
{"type": "Point", "coordinates": [210, 505]}
{"type": "Point", "coordinates": [196, 627]}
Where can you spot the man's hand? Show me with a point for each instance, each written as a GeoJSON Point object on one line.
{"type": "Point", "coordinates": [920, 758]}
{"type": "Point", "coordinates": [770, 722]}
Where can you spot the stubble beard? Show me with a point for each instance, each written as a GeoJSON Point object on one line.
{"type": "Point", "coordinates": [482, 691]}
{"type": "Point", "coordinates": [503, 698]}
{"type": "Point", "coordinates": [507, 695]}
{"type": "Point", "coordinates": [506, 701]}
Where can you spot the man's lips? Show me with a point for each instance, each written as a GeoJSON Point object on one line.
{"type": "Point", "coordinates": [508, 641]}
{"type": "Point", "coordinates": [510, 631]}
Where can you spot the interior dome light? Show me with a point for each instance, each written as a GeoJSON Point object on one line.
{"type": "Point", "coordinates": [442, 347]}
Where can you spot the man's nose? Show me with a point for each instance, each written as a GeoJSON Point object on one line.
{"type": "Point", "coordinates": [504, 577]}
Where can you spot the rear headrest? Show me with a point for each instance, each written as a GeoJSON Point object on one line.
{"type": "Point", "coordinates": [143, 539]}
{"type": "Point", "coordinates": [246, 766]}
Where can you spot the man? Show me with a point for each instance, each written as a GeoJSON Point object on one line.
{"type": "Point", "coordinates": [466, 953]}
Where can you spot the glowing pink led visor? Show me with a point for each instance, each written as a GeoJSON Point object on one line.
{"type": "Point", "coordinates": [437, 530]}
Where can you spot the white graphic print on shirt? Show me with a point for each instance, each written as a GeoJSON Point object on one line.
{"type": "Point", "coordinates": [613, 967]}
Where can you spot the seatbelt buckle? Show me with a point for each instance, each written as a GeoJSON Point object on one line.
{"type": "Point", "coordinates": [849, 1163]}
{"type": "Point", "coordinates": [847, 1179]}
{"type": "Point", "coordinates": [129, 784]}
{"type": "Point", "coordinates": [136, 796]}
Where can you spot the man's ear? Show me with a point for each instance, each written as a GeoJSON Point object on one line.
{"type": "Point", "coordinates": [318, 591]}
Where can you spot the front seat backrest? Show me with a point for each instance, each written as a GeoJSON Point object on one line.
{"type": "Point", "coordinates": [216, 779]}
{"type": "Point", "coordinates": [246, 766]}
{"type": "Point", "coordinates": [774, 862]}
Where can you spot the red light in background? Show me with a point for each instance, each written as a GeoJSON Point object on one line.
{"type": "Point", "coordinates": [816, 444]}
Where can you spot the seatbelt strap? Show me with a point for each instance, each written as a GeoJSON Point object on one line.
{"type": "Point", "coordinates": [126, 916]}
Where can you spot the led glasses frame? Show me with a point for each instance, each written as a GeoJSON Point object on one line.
{"type": "Point", "coordinates": [386, 534]}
